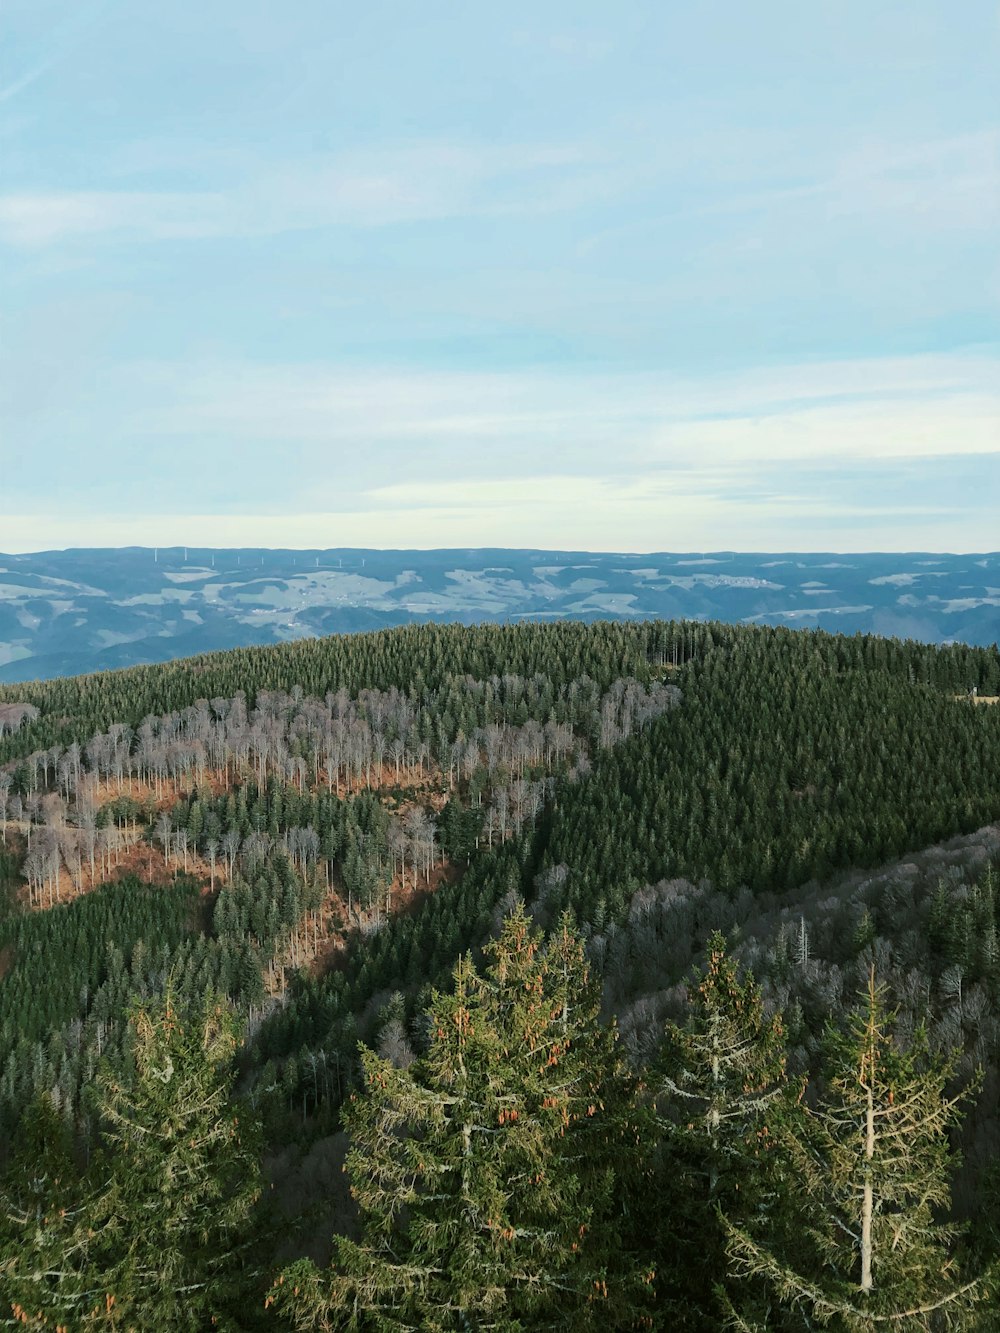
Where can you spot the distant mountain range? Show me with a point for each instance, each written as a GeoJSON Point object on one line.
{"type": "Point", "coordinates": [64, 612]}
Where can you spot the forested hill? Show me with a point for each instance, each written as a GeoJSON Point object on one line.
{"type": "Point", "coordinates": [321, 842]}
{"type": "Point", "coordinates": [65, 612]}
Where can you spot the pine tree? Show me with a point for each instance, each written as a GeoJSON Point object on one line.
{"type": "Point", "coordinates": [861, 1246]}
{"type": "Point", "coordinates": [483, 1171]}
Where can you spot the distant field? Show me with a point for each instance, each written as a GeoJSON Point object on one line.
{"type": "Point", "coordinates": [68, 612]}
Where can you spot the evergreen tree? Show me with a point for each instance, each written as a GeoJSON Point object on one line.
{"type": "Point", "coordinates": [40, 1198]}
{"type": "Point", "coordinates": [860, 1245]}
{"type": "Point", "coordinates": [483, 1171]}
{"type": "Point", "coordinates": [160, 1233]}
{"type": "Point", "coordinates": [723, 1091]}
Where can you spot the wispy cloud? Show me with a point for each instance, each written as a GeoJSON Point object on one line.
{"type": "Point", "coordinates": [41, 219]}
{"type": "Point", "coordinates": [387, 186]}
{"type": "Point", "coordinates": [595, 519]}
{"type": "Point", "coordinates": [849, 447]}
{"type": "Point", "coordinates": [516, 275]}
{"type": "Point", "coordinates": [942, 183]}
{"type": "Point", "coordinates": [61, 44]}
{"type": "Point", "coordinates": [893, 408]}
{"type": "Point", "coordinates": [945, 183]}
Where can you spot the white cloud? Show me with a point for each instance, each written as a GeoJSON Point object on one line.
{"type": "Point", "coordinates": [416, 182]}
{"type": "Point", "coordinates": [948, 182]}
{"type": "Point", "coordinates": [951, 181]}
{"type": "Point", "coordinates": [923, 428]}
{"type": "Point", "coordinates": [895, 408]}
{"type": "Point", "coordinates": [45, 218]}
{"type": "Point", "coordinates": [699, 523]}
{"type": "Point", "coordinates": [565, 514]}
{"type": "Point", "coordinates": [783, 180]}
{"type": "Point", "coordinates": [808, 456]}
{"type": "Point", "coordinates": [802, 457]}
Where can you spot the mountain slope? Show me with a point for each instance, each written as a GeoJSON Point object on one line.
{"type": "Point", "coordinates": [317, 831]}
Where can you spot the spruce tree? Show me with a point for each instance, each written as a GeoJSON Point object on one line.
{"type": "Point", "coordinates": [722, 1091]}
{"type": "Point", "coordinates": [484, 1171]}
{"type": "Point", "coordinates": [40, 1198]}
{"type": "Point", "coordinates": [160, 1232]}
{"type": "Point", "coordinates": [860, 1245]}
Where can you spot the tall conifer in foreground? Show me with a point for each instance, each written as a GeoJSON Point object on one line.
{"type": "Point", "coordinates": [40, 1197]}
{"type": "Point", "coordinates": [723, 1091]}
{"type": "Point", "coordinates": [156, 1236]}
{"type": "Point", "coordinates": [484, 1171]}
{"type": "Point", "coordinates": [860, 1246]}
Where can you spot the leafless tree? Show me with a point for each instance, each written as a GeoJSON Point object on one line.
{"type": "Point", "coordinates": [87, 820]}
{"type": "Point", "coordinates": [5, 786]}
{"type": "Point", "coordinates": [231, 847]}
{"type": "Point", "coordinates": [165, 833]}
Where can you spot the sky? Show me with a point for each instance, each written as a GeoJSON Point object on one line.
{"type": "Point", "coordinates": [630, 277]}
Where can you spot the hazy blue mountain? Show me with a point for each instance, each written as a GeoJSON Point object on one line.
{"type": "Point", "coordinates": [63, 612]}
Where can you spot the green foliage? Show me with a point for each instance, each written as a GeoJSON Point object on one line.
{"type": "Point", "coordinates": [791, 757]}
{"type": "Point", "coordinates": [158, 1233]}
{"type": "Point", "coordinates": [787, 761]}
{"type": "Point", "coordinates": [859, 1243]}
{"type": "Point", "coordinates": [412, 658]}
{"type": "Point", "coordinates": [10, 865]}
{"type": "Point", "coordinates": [41, 1194]}
{"type": "Point", "coordinates": [485, 1172]}
{"type": "Point", "coordinates": [69, 975]}
{"type": "Point", "coordinates": [724, 1093]}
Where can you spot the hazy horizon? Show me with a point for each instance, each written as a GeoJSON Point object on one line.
{"type": "Point", "coordinates": [716, 552]}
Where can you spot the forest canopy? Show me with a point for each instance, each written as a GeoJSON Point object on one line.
{"type": "Point", "coordinates": [349, 849]}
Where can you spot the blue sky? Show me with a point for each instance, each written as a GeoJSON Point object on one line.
{"type": "Point", "coordinates": [630, 276]}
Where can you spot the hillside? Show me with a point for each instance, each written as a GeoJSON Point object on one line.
{"type": "Point", "coordinates": [318, 831]}
{"type": "Point", "coordinates": [66, 612]}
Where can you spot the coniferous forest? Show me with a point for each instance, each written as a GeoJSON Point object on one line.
{"type": "Point", "coordinates": [620, 976]}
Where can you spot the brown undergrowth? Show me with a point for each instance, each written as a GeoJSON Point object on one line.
{"type": "Point", "coordinates": [138, 856]}
{"type": "Point", "coordinates": [321, 946]}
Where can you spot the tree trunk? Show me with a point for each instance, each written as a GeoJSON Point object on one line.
{"type": "Point", "coordinates": [868, 1203]}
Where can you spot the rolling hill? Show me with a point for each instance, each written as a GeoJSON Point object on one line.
{"type": "Point", "coordinates": [68, 612]}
